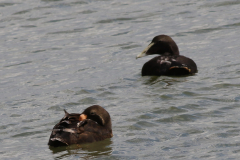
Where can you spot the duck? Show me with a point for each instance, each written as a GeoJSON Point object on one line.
{"type": "Point", "coordinates": [93, 124]}
{"type": "Point", "coordinates": [169, 62]}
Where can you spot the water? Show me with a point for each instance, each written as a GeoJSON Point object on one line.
{"type": "Point", "coordinates": [71, 54]}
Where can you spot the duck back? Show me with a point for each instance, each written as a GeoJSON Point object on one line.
{"type": "Point", "coordinates": [70, 130]}
{"type": "Point", "coordinates": [169, 65]}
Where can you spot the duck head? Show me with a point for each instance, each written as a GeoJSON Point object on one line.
{"type": "Point", "coordinates": [161, 44]}
{"type": "Point", "coordinates": [97, 114]}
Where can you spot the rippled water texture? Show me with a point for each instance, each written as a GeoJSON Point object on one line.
{"type": "Point", "coordinates": [71, 54]}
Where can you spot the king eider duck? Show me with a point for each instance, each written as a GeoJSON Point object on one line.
{"type": "Point", "coordinates": [169, 62]}
{"type": "Point", "coordinates": [93, 124]}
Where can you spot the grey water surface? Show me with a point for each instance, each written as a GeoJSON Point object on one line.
{"type": "Point", "coordinates": [71, 54]}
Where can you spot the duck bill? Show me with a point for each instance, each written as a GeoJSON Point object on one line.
{"type": "Point", "coordinates": [82, 117]}
{"type": "Point", "coordinates": [144, 52]}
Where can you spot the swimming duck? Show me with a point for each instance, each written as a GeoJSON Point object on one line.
{"type": "Point", "coordinates": [93, 124]}
{"type": "Point", "coordinates": [169, 62]}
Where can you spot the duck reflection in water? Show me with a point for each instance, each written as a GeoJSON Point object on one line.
{"type": "Point", "coordinates": [85, 151]}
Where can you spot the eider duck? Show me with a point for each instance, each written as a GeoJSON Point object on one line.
{"type": "Point", "coordinates": [169, 62]}
{"type": "Point", "coordinates": [93, 124]}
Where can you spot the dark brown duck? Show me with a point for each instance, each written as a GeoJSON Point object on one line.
{"type": "Point", "coordinates": [169, 62]}
{"type": "Point", "coordinates": [93, 124]}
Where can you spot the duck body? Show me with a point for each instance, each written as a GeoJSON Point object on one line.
{"type": "Point", "coordinates": [169, 65]}
{"type": "Point", "coordinates": [94, 124]}
{"type": "Point", "coordinates": [169, 62]}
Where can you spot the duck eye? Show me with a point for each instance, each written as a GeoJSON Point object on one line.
{"type": "Point", "coordinates": [92, 113]}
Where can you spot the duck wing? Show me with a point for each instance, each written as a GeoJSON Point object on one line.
{"type": "Point", "coordinates": [65, 128]}
{"type": "Point", "coordinates": [169, 65]}
{"type": "Point", "coordinates": [68, 131]}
